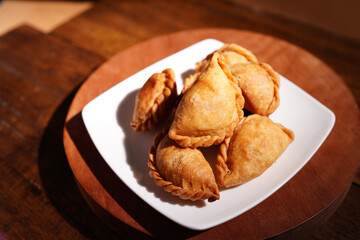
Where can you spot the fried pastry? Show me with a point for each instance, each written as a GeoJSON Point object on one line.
{"type": "Point", "coordinates": [233, 54]}
{"type": "Point", "coordinates": [259, 84]}
{"type": "Point", "coordinates": [255, 145]}
{"type": "Point", "coordinates": [154, 101]}
{"type": "Point", "coordinates": [189, 81]}
{"type": "Point", "coordinates": [209, 111]}
{"type": "Point", "coordinates": [184, 172]}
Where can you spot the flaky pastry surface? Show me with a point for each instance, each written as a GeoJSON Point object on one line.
{"type": "Point", "coordinates": [209, 111]}
{"type": "Point", "coordinates": [254, 147]}
{"type": "Point", "coordinates": [233, 54]}
{"type": "Point", "coordinates": [182, 171]}
{"type": "Point", "coordinates": [259, 84]}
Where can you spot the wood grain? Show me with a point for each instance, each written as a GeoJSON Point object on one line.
{"type": "Point", "coordinates": [309, 193]}
{"type": "Point", "coordinates": [112, 26]}
{"type": "Point", "coordinates": [37, 73]}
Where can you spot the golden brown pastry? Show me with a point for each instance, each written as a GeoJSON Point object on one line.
{"type": "Point", "coordinates": [154, 101]}
{"type": "Point", "coordinates": [209, 111]}
{"type": "Point", "coordinates": [255, 145]}
{"type": "Point", "coordinates": [232, 53]}
{"type": "Point", "coordinates": [189, 81]}
{"type": "Point", "coordinates": [259, 84]}
{"type": "Point", "coordinates": [182, 171]}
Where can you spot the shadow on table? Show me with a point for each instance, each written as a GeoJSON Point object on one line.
{"type": "Point", "coordinates": [59, 183]}
{"type": "Point", "coordinates": [61, 187]}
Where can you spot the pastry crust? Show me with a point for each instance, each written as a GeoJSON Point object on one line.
{"type": "Point", "coordinates": [189, 81]}
{"type": "Point", "coordinates": [154, 101]}
{"type": "Point", "coordinates": [184, 172]}
{"type": "Point", "coordinates": [254, 147]}
{"type": "Point", "coordinates": [259, 84]}
{"type": "Point", "coordinates": [233, 54]}
{"type": "Point", "coordinates": [210, 110]}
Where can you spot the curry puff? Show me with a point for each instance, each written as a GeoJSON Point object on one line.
{"type": "Point", "coordinates": [259, 84]}
{"type": "Point", "coordinates": [154, 101]}
{"type": "Point", "coordinates": [210, 110]}
{"type": "Point", "coordinates": [184, 172]}
{"type": "Point", "coordinates": [232, 54]}
{"type": "Point", "coordinates": [255, 145]}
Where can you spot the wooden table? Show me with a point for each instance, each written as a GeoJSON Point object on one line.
{"type": "Point", "coordinates": [41, 74]}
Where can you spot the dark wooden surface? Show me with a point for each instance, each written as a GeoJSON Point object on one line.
{"type": "Point", "coordinates": [41, 73]}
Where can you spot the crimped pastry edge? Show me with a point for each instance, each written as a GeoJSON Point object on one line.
{"type": "Point", "coordinates": [276, 80]}
{"type": "Point", "coordinates": [209, 140]}
{"type": "Point", "coordinates": [158, 111]}
{"type": "Point", "coordinates": [250, 57]}
{"type": "Point", "coordinates": [168, 185]}
{"type": "Point", "coordinates": [221, 167]}
{"type": "Point", "coordinates": [240, 50]}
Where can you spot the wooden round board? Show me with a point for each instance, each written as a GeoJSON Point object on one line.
{"type": "Point", "coordinates": [303, 203]}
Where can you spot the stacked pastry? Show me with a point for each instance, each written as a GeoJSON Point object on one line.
{"type": "Point", "coordinates": [209, 111]}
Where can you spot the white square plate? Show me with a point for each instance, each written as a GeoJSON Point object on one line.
{"type": "Point", "coordinates": [107, 119]}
